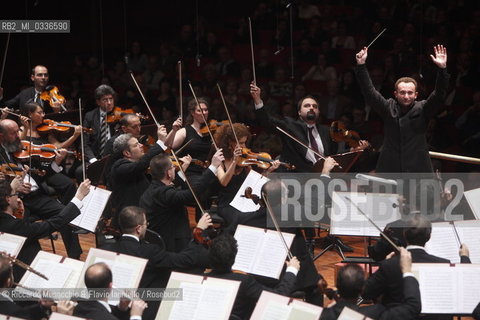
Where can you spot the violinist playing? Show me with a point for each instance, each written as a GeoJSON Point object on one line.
{"type": "Point", "coordinates": [199, 145]}
{"type": "Point", "coordinates": [36, 199]}
{"type": "Point", "coordinates": [40, 78]}
{"type": "Point", "coordinates": [234, 169]}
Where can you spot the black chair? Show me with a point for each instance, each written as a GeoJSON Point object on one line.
{"type": "Point", "coordinates": [96, 171]}
{"type": "Point", "coordinates": [154, 238]}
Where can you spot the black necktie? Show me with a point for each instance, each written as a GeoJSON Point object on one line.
{"type": "Point", "coordinates": [313, 142]}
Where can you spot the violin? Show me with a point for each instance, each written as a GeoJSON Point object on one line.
{"type": "Point", "coordinates": [12, 170]}
{"type": "Point", "coordinates": [262, 160]}
{"type": "Point", "coordinates": [52, 95]}
{"type": "Point", "coordinates": [200, 163]}
{"type": "Point", "coordinates": [212, 125]}
{"type": "Point", "coordinates": [255, 198]}
{"type": "Point", "coordinates": [43, 151]}
{"type": "Point", "coordinates": [338, 133]}
{"type": "Point", "coordinates": [117, 113]}
{"type": "Point", "coordinates": [62, 126]}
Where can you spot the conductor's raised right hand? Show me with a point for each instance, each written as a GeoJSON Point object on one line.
{"type": "Point", "coordinates": [361, 56]}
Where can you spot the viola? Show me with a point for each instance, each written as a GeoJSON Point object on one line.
{"type": "Point", "coordinates": [338, 133]}
{"type": "Point", "coordinates": [117, 113]}
{"type": "Point", "coordinates": [262, 160]}
{"type": "Point", "coordinates": [52, 95]}
{"type": "Point", "coordinates": [213, 125]}
{"type": "Point", "coordinates": [12, 170]}
{"type": "Point", "coordinates": [43, 151]}
{"type": "Point", "coordinates": [62, 126]}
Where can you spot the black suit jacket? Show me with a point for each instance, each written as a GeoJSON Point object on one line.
{"type": "Point", "coordinates": [10, 308]}
{"type": "Point", "coordinates": [92, 143]}
{"type": "Point", "coordinates": [293, 152]}
{"type": "Point", "coordinates": [387, 280]}
{"type": "Point", "coordinates": [34, 231]}
{"type": "Point", "coordinates": [25, 96]}
{"type": "Point", "coordinates": [128, 179]}
{"type": "Point", "coordinates": [165, 206]}
{"type": "Point", "coordinates": [160, 261]}
{"type": "Point", "coordinates": [94, 310]}
{"type": "Point", "coordinates": [409, 309]}
{"type": "Point", "coordinates": [405, 146]}
{"type": "Point", "coordinates": [250, 290]}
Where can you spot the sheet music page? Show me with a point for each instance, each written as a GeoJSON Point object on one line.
{"type": "Point", "coordinates": [213, 302]}
{"type": "Point", "coordinates": [349, 314]}
{"type": "Point", "coordinates": [249, 241]}
{"type": "Point", "coordinates": [94, 204]}
{"type": "Point", "coordinates": [275, 310]}
{"type": "Point", "coordinates": [60, 316]}
{"type": "Point", "coordinates": [185, 309]}
{"type": "Point", "coordinates": [57, 274]}
{"type": "Point", "coordinates": [473, 199]}
{"type": "Point", "coordinates": [272, 255]}
{"type": "Point", "coordinates": [305, 311]}
{"type": "Point", "coordinates": [443, 242]}
{"type": "Point", "coordinates": [254, 180]}
{"type": "Point", "coordinates": [346, 219]}
{"type": "Point", "coordinates": [11, 243]}
{"type": "Point", "coordinates": [77, 267]}
{"type": "Point", "coordinates": [469, 233]}
{"type": "Point", "coordinates": [123, 274]}
{"type": "Point", "coordinates": [468, 287]}
{"type": "Point", "coordinates": [438, 287]}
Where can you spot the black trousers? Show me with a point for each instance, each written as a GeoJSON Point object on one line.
{"type": "Point", "coordinates": [40, 206]}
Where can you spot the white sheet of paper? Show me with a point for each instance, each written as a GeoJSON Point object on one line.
{"type": "Point", "coordinates": [11, 243]}
{"type": "Point", "coordinates": [443, 242]}
{"type": "Point", "coordinates": [57, 274]}
{"type": "Point", "coordinates": [94, 204]}
{"type": "Point", "coordinates": [469, 233]}
{"type": "Point", "coordinates": [254, 180]}
{"type": "Point", "coordinates": [473, 199]}
{"type": "Point", "coordinates": [276, 311]}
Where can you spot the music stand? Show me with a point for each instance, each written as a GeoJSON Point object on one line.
{"type": "Point", "coordinates": [334, 244]}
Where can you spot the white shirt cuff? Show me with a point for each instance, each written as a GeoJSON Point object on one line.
{"type": "Point", "coordinates": [92, 160]}
{"type": "Point", "coordinates": [292, 270]}
{"type": "Point", "coordinates": [162, 145]}
{"type": "Point", "coordinates": [408, 274]}
{"type": "Point", "coordinates": [181, 175]}
{"type": "Point", "coordinates": [259, 106]}
{"type": "Point", "coordinates": [77, 202]}
{"type": "Point", "coordinates": [213, 169]}
{"type": "Point", "coordinates": [135, 318]}
{"type": "Point", "coordinates": [56, 167]}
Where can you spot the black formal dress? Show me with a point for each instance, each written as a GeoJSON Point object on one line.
{"type": "Point", "coordinates": [409, 308]}
{"type": "Point", "coordinates": [128, 180]}
{"type": "Point", "coordinates": [34, 231]}
{"type": "Point", "coordinates": [96, 311]}
{"type": "Point", "coordinates": [26, 96]}
{"type": "Point", "coordinates": [166, 212]}
{"type": "Point", "coordinates": [405, 147]}
{"type": "Point", "coordinates": [160, 263]}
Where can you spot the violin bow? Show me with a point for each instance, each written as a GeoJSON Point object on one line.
{"type": "Point", "coordinates": [144, 100]}
{"type": "Point", "coordinates": [22, 265]}
{"type": "Point", "coordinates": [203, 116]}
{"type": "Point", "coordinates": [251, 48]}
{"type": "Point", "coordinates": [30, 152]}
{"type": "Point", "coordinates": [275, 223]}
{"type": "Point", "coordinates": [375, 225]}
{"type": "Point", "coordinates": [4, 59]}
{"type": "Point", "coordinates": [188, 183]}
{"type": "Point", "coordinates": [228, 115]}
{"type": "Point", "coordinates": [180, 91]}
{"type": "Point", "coordinates": [303, 144]}
{"type": "Point", "coordinates": [81, 138]}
